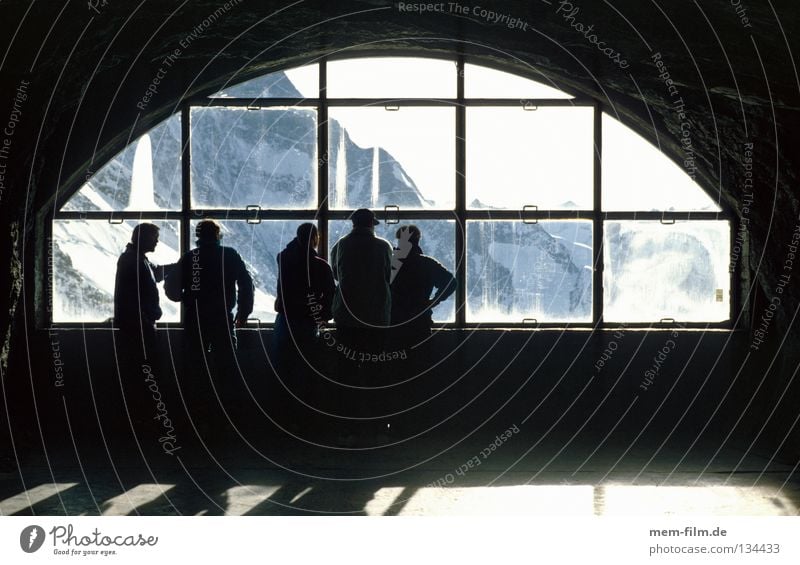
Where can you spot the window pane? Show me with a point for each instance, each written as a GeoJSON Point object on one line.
{"type": "Point", "coordinates": [381, 157]}
{"type": "Point", "coordinates": [438, 241]}
{"type": "Point", "coordinates": [259, 245]}
{"type": "Point", "coordinates": [300, 82]}
{"type": "Point", "coordinates": [144, 176]}
{"type": "Point", "coordinates": [638, 177]}
{"type": "Point", "coordinates": [265, 157]}
{"type": "Point", "coordinates": [84, 267]}
{"type": "Point", "coordinates": [542, 157]}
{"type": "Point", "coordinates": [655, 271]}
{"type": "Point", "coordinates": [391, 77]}
{"type": "Point", "coordinates": [483, 82]}
{"type": "Point", "coordinates": [517, 270]}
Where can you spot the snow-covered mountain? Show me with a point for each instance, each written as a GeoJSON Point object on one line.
{"type": "Point", "coordinates": [267, 157]}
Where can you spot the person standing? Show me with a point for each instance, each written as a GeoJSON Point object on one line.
{"type": "Point", "coordinates": [414, 277]}
{"type": "Point", "coordinates": [362, 263]}
{"type": "Point", "coordinates": [136, 300]}
{"type": "Point", "coordinates": [304, 296]}
{"type": "Point", "coordinates": [210, 281]}
{"type": "Point", "coordinates": [136, 311]}
{"type": "Point", "coordinates": [362, 305]}
{"type": "Point", "coordinates": [303, 302]}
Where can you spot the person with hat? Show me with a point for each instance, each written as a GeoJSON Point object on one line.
{"type": "Point", "coordinates": [362, 305]}
{"type": "Point", "coordinates": [362, 264]}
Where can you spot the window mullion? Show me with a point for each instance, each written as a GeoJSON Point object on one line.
{"type": "Point", "coordinates": [597, 223]}
{"type": "Point", "coordinates": [186, 186]}
{"type": "Point", "coordinates": [323, 160]}
{"type": "Point", "coordinates": [461, 199]}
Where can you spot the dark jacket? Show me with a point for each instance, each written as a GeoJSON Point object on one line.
{"type": "Point", "coordinates": [135, 291]}
{"type": "Point", "coordinates": [211, 280]}
{"type": "Point", "coordinates": [412, 287]}
{"type": "Point", "coordinates": [362, 263]}
{"type": "Point", "coordinates": [305, 285]}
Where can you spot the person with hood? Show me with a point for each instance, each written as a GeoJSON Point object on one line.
{"type": "Point", "coordinates": [305, 290]}
{"type": "Point", "coordinates": [305, 284]}
{"type": "Point", "coordinates": [303, 302]}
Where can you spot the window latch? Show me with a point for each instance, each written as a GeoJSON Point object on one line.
{"type": "Point", "coordinates": [114, 221]}
{"type": "Point", "coordinates": [256, 209]}
{"type": "Point", "coordinates": [528, 214]}
{"type": "Point", "coordinates": [667, 221]}
{"type": "Point", "coordinates": [392, 108]}
{"type": "Point", "coordinates": [391, 218]}
{"type": "Point", "coordinates": [528, 106]}
{"type": "Point", "coordinates": [530, 322]}
{"type": "Point", "coordinates": [256, 321]}
{"type": "Point", "coordinates": [666, 321]}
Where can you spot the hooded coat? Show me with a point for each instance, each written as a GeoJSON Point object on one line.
{"type": "Point", "coordinates": [305, 285]}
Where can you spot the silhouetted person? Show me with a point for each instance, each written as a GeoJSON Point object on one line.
{"type": "Point", "coordinates": [362, 264]}
{"type": "Point", "coordinates": [414, 277]}
{"type": "Point", "coordinates": [304, 299]}
{"type": "Point", "coordinates": [210, 281]}
{"type": "Point", "coordinates": [136, 301]}
{"type": "Point", "coordinates": [136, 311]}
{"type": "Point", "coordinates": [305, 287]}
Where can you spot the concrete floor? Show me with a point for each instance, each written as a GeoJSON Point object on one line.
{"type": "Point", "coordinates": [444, 476]}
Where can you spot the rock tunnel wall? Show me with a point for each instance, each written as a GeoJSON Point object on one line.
{"type": "Point", "coordinates": [79, 82]}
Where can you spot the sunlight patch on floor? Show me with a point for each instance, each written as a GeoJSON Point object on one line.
{"type": "Point", "coordinates": [30, 497]}
{"type": "Point", "coordinates": [127, 502]}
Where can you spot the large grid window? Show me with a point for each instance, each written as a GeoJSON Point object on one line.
{"type": "Point", "coordinates": [549, 211]}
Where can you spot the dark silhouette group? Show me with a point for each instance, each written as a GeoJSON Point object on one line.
{"type": "Point", "coordinates": [382, 304]}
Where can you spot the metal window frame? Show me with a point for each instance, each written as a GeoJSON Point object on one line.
{"type": "Point", "coordinates": [460, 213]}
